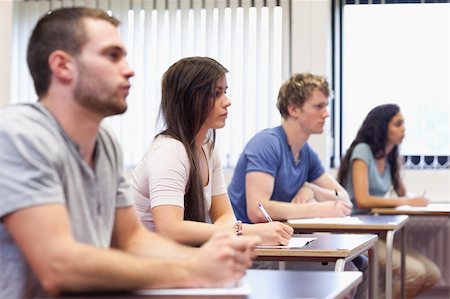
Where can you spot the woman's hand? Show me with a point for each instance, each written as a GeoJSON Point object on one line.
{"type": "Point", "coordinates": [417, 201]}
{"type": "Point", "coordinates": [271, 233]}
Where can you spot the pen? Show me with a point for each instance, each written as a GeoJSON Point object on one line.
{"type": "Point", "coordinates": [260, 206]}
{"type": "Point", "coordinates": [337, 197]}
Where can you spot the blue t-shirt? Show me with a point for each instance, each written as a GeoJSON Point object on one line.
{"type": "Point", "coordinates": [379, 184]}
{"type": "Point", "coordinates": [268, 151]}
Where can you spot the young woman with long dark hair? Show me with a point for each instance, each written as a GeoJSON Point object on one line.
{"type": "Point", "coordinates": [179, 187]}
{"type": "Point", "coordinates": [369, 170]}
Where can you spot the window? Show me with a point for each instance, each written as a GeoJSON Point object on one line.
{"type": "Point", "coordinates": [246, 39]}
{"type": "Point", "coordinates": [399, 54]}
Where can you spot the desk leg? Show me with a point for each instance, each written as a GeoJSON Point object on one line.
{"type": "Point", "coordinates": [389, 249]}
{"type": "Point", "coordinates": [403, 260]}
{"type": "Point", "coordinates": [340, 264]}
{"type": "Point", "coordinates": [373, 273]}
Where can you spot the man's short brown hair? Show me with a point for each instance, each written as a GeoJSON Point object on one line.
{"type": "Point", "coordinates": [61, 29]}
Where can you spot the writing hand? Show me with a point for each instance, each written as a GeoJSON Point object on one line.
{"type": "Point", "coordinates": [418, 201]}
{"type": "Point", "coordinates": [271, 233]}
{"type": "Point", "coordinates": [337, 208]}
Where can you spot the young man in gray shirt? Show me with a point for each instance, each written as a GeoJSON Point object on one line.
{"type": "Point", "coordinates": [66, 220]}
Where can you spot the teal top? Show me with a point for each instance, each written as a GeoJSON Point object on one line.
{"type": "Point", "coordinates": [379, 183]}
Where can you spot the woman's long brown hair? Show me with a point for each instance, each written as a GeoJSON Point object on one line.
{"type": "Point", "coordinates": [187, 99]}
{"type": "Point", "coordinates": [373, 131]}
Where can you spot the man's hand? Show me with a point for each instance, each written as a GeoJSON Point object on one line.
{"type": "Point", "coordinates": [222, 260]}
{"type": "Point", "coordinates": [338, 208]}
{"type": "Point", "coordinates": [304, 194]}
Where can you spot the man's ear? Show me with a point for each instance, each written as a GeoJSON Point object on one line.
{"type": "Point", "coordinates": [61, 65]}
{"type": "Point", "coordinates": [293, 110]}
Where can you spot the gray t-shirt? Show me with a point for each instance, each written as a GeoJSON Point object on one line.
{"type": "Point", "coordinates": [379, 184]}
{"type": "Point", "coordinates": [40, 164]}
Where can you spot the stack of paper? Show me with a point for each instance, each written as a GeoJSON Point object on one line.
{"type": "Point", "coordinates": [294, 242]}
{"type": "Point", "coordinates": [439, 207]}
{"type": "Point", "coordinates": [236, 289]}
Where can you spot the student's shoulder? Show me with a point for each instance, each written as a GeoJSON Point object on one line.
{"type": "Point", "coordinates": [32, 131]}
{"type": "Point", "coordinates": [266, 143]}
{"type": "Point", "coordinates": [266, 137]}
{"type": "Point", "coordinates": [166, 142]}
{"type": "Point", "coordinates": [362, 148]}
{"type": "Point", "coordinates": [28, 121]}
{"type": "Point", "coordinates": [166, 147]}
{"type": "Point", "coordinates": [26, 113]}
{"type": "Point", "coordinates": [362, 151]}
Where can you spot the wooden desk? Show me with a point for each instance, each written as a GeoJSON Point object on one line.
{"type": "Point", "coordinates": [272, 284]}
{"type": "Point", "coordinates": [337, 248]}
{"type": "Point", "coordinates": [385, 226]}
{"type": "Point", "coordinates": [433, 209]}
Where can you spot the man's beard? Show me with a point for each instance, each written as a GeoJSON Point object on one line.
{"type": "Point", "coordinates": [96, 97]}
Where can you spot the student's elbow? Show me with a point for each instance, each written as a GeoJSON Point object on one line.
{"type": "Point", "coordinates": [55, 277]}
{"type": "Point", "coordinates": [51, 285]}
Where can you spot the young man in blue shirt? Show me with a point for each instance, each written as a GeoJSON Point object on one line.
{"type": "Point", "coordinates": [279, 169]}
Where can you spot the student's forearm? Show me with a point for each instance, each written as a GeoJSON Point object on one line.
{"type": "Point", "coordinates": [282, 210]}
{"type": "Point", "coordinates": [144, 243]}
{"type": "Point", "coordinates": [194, 233]}
{"type": "Point", "coordinates": [227, 218]}
{"type": "Point", "coordinates": [323, 194]}
{"type": "Point", "coordinates": [368, 202]}
{"type": "Point", "coordinates": [84, 268]}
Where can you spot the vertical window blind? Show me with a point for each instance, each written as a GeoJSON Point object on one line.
{"type": "Point", "coordinates": [244, 35]}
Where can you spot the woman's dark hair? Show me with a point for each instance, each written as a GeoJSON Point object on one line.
{"type": "Point", "coordinates": [187, 98]}
{"type": "Point", "coordinates": [373, 131]}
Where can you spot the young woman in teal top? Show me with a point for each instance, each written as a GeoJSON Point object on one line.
{"type": "Point", "coordinates": [368, 170]}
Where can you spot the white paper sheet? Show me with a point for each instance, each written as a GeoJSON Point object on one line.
{"type": "Point", "coordinates": [440, 207]}
{"type": "Point", "coordinates": [294, 242]}
{"type": "Point", "coordinates": [238, 289]}
{"type": "Point", "coordinates": [337, 220]}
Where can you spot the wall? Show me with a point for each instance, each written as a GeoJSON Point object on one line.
{"type": "Point", "coordinates": [310, 51]}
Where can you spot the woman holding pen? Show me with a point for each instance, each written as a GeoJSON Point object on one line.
{"type": "Point", "coordinates": [368, 170]}
{"type": "Point", "coordinates": [178, 186]}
